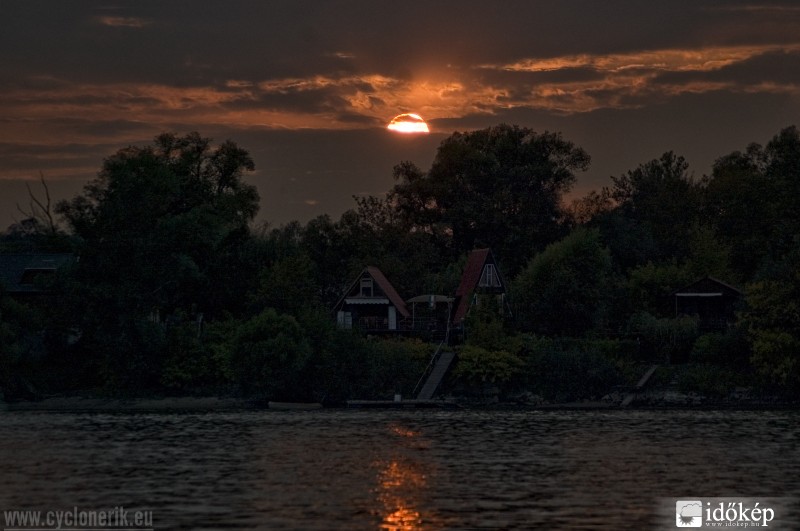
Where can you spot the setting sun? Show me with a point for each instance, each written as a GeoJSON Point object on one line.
{"type": "Point", "coordinates": [408, 123]}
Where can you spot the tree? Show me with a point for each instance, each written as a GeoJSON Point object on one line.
{"type": "Point", "coordinates": [783, 168]}
{"type": "Point", "coordinates": [40, 211]}
{"type": "Point", "coordinates": [751, 198]}
{"type": "Point", "coordinates": [772, 321]}
{"type": "Point", "coordinates": [499, 187]}
{"type": "Point", "coordinates": [737, 201]}
{"type": "Point", "coordinates": [662, 198]}
{"type": "Point", "coordinates": [160, 229]}
{"type": "Point", "coordinates": [565, 288]}
{"type": "Point", "coordinates": [152, 221]}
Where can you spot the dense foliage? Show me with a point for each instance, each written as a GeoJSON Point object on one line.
{"type": "Point", "coordinates": [176, 291]}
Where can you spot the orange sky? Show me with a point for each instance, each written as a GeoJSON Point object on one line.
{"type": "Point", "coordinates": [308, 87]}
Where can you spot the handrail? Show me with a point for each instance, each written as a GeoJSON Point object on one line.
{"type": "Point", "coordinates": [430, 366]}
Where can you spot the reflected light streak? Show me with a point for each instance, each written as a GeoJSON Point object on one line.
{"type": "Point", "coordinates": [399, 487]}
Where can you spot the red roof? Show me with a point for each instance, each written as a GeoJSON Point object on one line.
{"type": "Point", "coordinates": [389, 290]}
{"type": "Point", "coordinates": [383, 283]}
{"type": "Point", "coordinates": [469, 281]}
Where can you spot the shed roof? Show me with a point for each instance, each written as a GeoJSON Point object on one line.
{"type": "Point", "coordinates": [707, 285]}
{"type": "Point", "coordinates": [17, 269]}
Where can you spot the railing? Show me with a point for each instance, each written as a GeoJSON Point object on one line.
{"type": "Point", "coordinates": [434, 327]}
{"type": "Point", "coordinates": [429, 368]}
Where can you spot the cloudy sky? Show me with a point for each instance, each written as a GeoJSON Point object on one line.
{"type": "Point", "coordinates": [308, 86]}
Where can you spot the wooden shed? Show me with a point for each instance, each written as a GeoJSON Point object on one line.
{"type": "Point", "coordinates": [26, 275]}
{"type": "Point", "coordinates": [711, 300]}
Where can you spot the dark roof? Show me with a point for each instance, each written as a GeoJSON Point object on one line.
{"type": "Point", "coordinates": [472, 272]}
{"type": "Point", "coordinates": [18, 271]}
{"type": "Point", "coordinates": [383, 283]}
{"type": "Point", "coordinates": [469, 280]}
{"type": "Point", "coordinates": [709, 284]}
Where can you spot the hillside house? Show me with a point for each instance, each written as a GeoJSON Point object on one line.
{"type": "Point", "coordinates": [481, 277]}
{"type": "Point", "coordinates": [372, 305]}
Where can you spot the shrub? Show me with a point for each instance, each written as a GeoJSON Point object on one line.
{"type": "Point", "coordinates": [668, 340]}
{"type": "Point", "coordinates": [477, 366]}
{"type": "Point", "coordinates": [396, 365]}
{"type": "Point", "coordinates": [268, 354]}
{"type": "Point", "coordinates": [565, 375]}
{"type": "Point", "coordinates": [729, 349]}
{"type": "Point", "coordinates": [707, 379]}
{"type": "Point", "coordinates": [191, 365]}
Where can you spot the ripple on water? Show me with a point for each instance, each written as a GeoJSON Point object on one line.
{"type": "Point", "coordinates": [399, 470]}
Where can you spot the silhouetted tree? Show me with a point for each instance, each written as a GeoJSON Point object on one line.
{"type": "Point", "coordinates": [159, 227]}
{"type": "Point", "coordinates": [499, 187]}
{"type": "Point", "coordinates": [565, 289]}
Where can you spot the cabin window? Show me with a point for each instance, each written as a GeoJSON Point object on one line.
{"type": "Point", "coordinates": [489, 278]}
{"type": "Point", "coordinates": [366, 287]}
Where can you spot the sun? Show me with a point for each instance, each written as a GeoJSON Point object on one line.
{"type": "Point", "coordinates": [408, 123]}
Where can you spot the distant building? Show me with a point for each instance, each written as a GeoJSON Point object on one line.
{"type": "Point", "coordinates": [26, 275]}
{"type": "Point", "coordinates": [372, 304]}
{"type": "Point", "coordinates": [481, 277]}
{"type": "Point", "coordinates": [711, 300]}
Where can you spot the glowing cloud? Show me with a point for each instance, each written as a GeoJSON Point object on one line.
{"type": "Point", "coordinates": [408, 123]}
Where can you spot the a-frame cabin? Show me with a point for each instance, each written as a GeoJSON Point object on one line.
{"type": "Point", "coordinates": [372, 304]}
{"type": "Point", "coordinates": [481, 277]}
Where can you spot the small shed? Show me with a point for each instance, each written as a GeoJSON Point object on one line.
{"type": "Point", "coordinates": [481, 277]}
{"type": "Point", "coordinates": [711, 300]}
{"type": "Point", "coordinates": [26, 275]}
{"type": "Point", "coordinates": [372, 304]}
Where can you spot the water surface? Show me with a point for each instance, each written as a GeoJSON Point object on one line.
{"type": "Point", "coordinates": [402, 470]}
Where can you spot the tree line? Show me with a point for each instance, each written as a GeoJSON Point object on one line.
{"type": "Point", "coordinates": [176, 289]}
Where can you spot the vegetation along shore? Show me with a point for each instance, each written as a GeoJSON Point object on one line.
{"type": "Point", "coordinates": [155, 282]}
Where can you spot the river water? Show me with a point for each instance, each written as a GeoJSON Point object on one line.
{"type": "Point", "coordinates": [396, 469]}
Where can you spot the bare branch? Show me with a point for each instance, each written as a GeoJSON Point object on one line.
{"type": "Point", "coordinates": [39, 211]}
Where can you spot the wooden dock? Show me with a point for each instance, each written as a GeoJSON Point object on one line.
{"type": "Point", "coordinates": [401, 404]}
{"type": "Point", "coordinates": [294, 406]}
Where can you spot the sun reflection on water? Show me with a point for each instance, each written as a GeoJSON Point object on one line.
{"type": "Point", "coordinates": [402, 483]}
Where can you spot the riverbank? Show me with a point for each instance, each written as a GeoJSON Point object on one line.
{"type": "Point", "coordinates": [182, 403]}
{"type": "Point", "coordinates": [648, 400]}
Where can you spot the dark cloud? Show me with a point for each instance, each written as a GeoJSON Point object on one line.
{"type": "Point", "coordinates": [780, 67]}
{"type": "Point", "coordinates": [307, 86]}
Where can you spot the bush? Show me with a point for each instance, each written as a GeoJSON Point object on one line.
{"type": "Point", "coordinates": [772, 321]}
{"type": "Point", "coordinates": [134, 355]}
{"type": "Point", "coordinates": [267, 356]}
{"type": "Point", "coordinates": [479, 366]}
{"type": "Point", "coordinates": [191, 365]}
{"type": "Point", "coordinates": [396, 365]}
{"type": "Point", "coordinates": [565, 289]}
{"type": "Point", "coordinates": [727, 349]}
{"type": "Point", "coordinates": [566, 375]}
{"type": "Point", "coordinates": [706, 379]}
{"type": "Point", "coordinates": [349, 366]}
{"type": "Point", "coordinates": [667, 340]}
